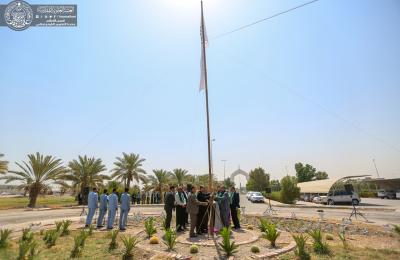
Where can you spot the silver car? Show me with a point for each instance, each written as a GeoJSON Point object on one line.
{"type": "Point", "coordinates": [340, 196]}
{"type": "Point", "coordinates": [257, 197]}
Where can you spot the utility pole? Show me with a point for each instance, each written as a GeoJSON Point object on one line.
{"type": "Point", "coordinates": [224, 168]}
{"type": "Point", "coordinates": [376, 168]}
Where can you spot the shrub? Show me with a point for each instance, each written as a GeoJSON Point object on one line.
{"type": "Point", "coordinates": [154, 240]}
{"type": "Point", "coordinates": [149, 227]}
{"type": "Point", "coordinates": [329, 237]}
{"type": "Point", "coordinates": [113, 244]}
{"type": "Point", "coordinates": [4, 235]}
{"type": "Point", "coordinates": [229, 247]}
{"type": "Point", "coordinates": [130, 243]}
{"type": "Point", "coordinates": [33, 250]}
{"type": "Point", "coordinates": [342, 238]}
{"type": "Point", "coordinates": [263, 225]}
{"type": "Point", "coordinates": [255, 249]}
{"type": "Point", "coordinates": [194, 249]}
{"type": "Point", "coordinates": [58, 225]}
{"type": "Point", "coordinates": [90, 230]}
{"type": "Point", "coordinates": [271, 234]}
{"type": "Point", "coordinates": [319, 246]}
{"type": "Point", "coordinates": [27, 235]}
{"type": "Point", "coordinates": [397, 229]}
{"type": "Point", "coordinates": [300, 251]}
{"type": "Point", "coordinates": [65, 227]}
{"type": "Point", "coordinates": [51, 237]}
{"type": "Point", "coordinates": [170, 239]}
{"type": "Point", "coordinates": [79, 244]}
{"type": "Point", "coordinates": [289, 191]}
{"type": "Point", "coordinates": [23, 249]}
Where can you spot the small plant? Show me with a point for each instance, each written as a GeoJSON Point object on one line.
{"type": "Point", "coordinates": [319, 246]}
{"type": "Point", "coordinates": [342, 238]}
{"type": "Point", "coordinates": [50, 237]}
{"type": "Point", "coordinates": [90, 230]}
{"type": "Point", "coordinates": [271, 234]}
{"type": "Point", "coordinates": [194, 249]}
{"type": "Point", "coordinates": [154, 240]}
{"type": "Point", "coordinates": [149, 227]}
{"type": "Point", "coordinates": [170, 239]}
{"type": "Point", "coordinates": [229, 247]}
{"type": "Point", "coordinates": [130, 243]}
{"type": "Point", "coordinates": [113, 244]}
{"type": "Point", "coordinates": [263, 225]}
{"type": "Point", "coordinates": [65, 227]}
{"type": "Point", "coordinates": [58, 225]}
{"type": "Point", "coordinates": [23, 249]}
{"type": "Point", "coordinates": [397, 229]}
{"type": "Point", "coordinates": [27, 235]}
{"type": "Point", "coordinates": [329, 237]}
{"type": "Point", "coordinates": [79, 244]}
{"type": "Point", "coordinates": [4, 235]}
{"type": "Point", "coordinates": [255, 249]}
{"type": "Point", "coordinates": [300, 251]}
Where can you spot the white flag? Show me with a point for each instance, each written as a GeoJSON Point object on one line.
{"type": "Point", "coordinates": [202, 65]}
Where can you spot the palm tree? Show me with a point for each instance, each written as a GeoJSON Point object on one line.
{"type": "Point", "coordinates": [128, 169]}
{"type": "Point", "coordinates": [159, 181]}
{"type": "Point", "coordinates": [86, 172]}
{"type": "Point", "coordinates": [3, 165]}
{"type": "Point", "coordinates": [37, 174]}
{"type": "Point", "coordinates": [180, 175]}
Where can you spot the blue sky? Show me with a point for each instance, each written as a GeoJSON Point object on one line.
{"type": "Point", "coordinates": [319, 85]}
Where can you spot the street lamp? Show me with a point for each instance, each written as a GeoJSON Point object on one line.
{"type": "Point", "coordinates": [224, 167]}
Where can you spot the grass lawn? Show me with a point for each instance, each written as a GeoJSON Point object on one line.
{"type": "Point", "coordinates": [42, 201]}
{"type": "Point", "coordinates": [96, 247]}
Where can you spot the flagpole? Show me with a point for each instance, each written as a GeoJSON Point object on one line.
{"type": "Point", "coordinates": [203, 45]}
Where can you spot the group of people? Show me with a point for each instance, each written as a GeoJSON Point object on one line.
{"type": "Point", "coordinates": [195, 205]}
{"type": "Point", "coordinates": [146, 197]}
{"type": "Point", "coordinates": [108, 203]}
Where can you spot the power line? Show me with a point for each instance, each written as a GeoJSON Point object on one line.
{"type": "Point", "coordinates": [264, 19]}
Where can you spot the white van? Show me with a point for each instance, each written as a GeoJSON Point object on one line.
{"type": "Point", "coordinates": [341, 196]}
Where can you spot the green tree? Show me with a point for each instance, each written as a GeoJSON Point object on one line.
{"type": "Point", "coordinates": [128, 168]}
{"type": "Point", "coordinates": [275, 185]}
{"type": "Point", "coordinates": [3, 165]}
{"type": "Point", "coordinates": [321, 176]}
{"type": "Point", "coordinates": [228, 182]}
{"type": "Point", "coordinates": [289, 190]}
{"type": "Point", "coordinates": [258, 180]}
{"type": "Point", "coordinates": [307, 172]}
{"type": "Point", "coordinates": [37, 174]}
{"type": "Point", "coordinates": [160, 181]}
{"type": "Point", "coordinates": [86, 172]}
{"type": "Point", "coordinates": [180, 175]}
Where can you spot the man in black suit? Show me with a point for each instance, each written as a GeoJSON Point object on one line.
{"type": "Point", "coordinates": [169, 206]}
{"type": "Point", "coordinates": [235, 204]}
{"type": "Point", "coordinates": [202, 217]}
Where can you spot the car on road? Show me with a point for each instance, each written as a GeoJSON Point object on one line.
{"type": "Point", "coordinates": [386, 194]}
{"type": "Point", "coordinates": [248, 195]}
{"type": "Point", "coordinates": [341, 196]}
{"type": "Point", "coordinates": [320, 199]}
{"type": "Point", "coordinates": [398, 195]}
{"type": "Point", "coordinates": [257, 197]}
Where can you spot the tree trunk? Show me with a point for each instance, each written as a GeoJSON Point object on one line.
{"type": "Point", "coordinates": [33, 194]}
{"type": "Point", "coordinates": [128, 183]}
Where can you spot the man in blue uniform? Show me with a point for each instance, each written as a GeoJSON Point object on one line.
{"type": "Point", "coordinates": [92, 206]}
{"type": "Point", "coordinates": [125, 207]}
{"type": "Point", "coordinates": [102, 208]}
{"type": "Point", "coordinates": [112, 208]}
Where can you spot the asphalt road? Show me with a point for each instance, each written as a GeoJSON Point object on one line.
{"type": "Point", "coordinates": [20, 217]}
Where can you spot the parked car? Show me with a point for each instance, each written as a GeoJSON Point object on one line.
{"type": "Point", "coordinates": [248, 195]}
{"type": "Point", "coordinates": [398, 195]}
{"type": "Point", "coordinates": [320, 199]}
{"type": "Point", "coordinates": [340, 196]}
{"type": "Point", "coordinates": [387, 194]}
{"type": "Point", "coordinates": [257, 197]}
